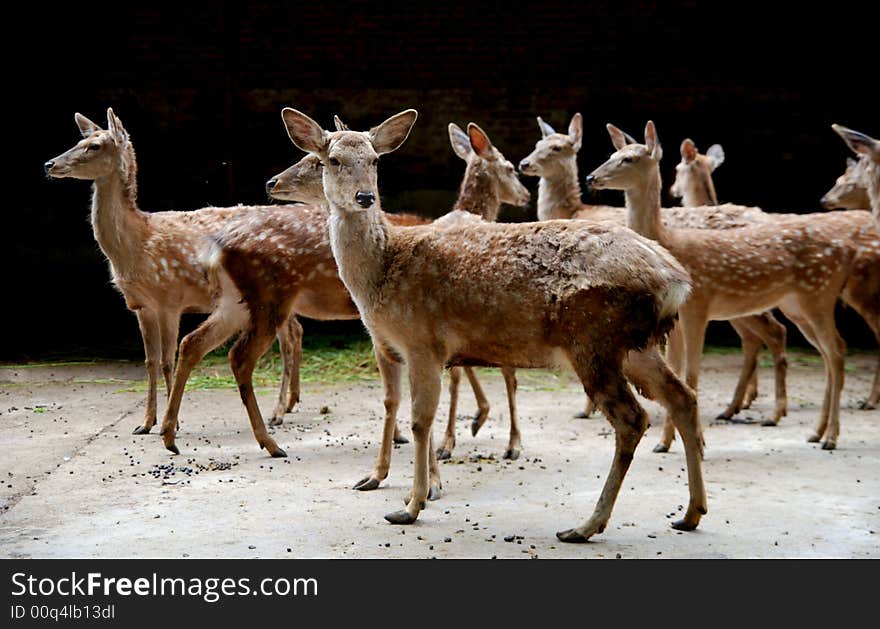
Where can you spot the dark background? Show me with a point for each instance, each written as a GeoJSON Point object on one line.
{"type": "Point", "coordinates": [200, 88]}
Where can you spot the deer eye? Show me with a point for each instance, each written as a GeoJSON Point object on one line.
{"type": "Point", "coordinates": [628, 160]}
{"type": "Point", "coordinates": [374, 162]}
{"type": "Point", "coordinates": [334, 161]}
{"type": "Point", "coordinates": [556, 149]}
{"type": "Point", "coordinates": [93, 147]}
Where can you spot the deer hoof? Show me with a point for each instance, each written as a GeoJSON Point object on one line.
{"type": "Point", "coordinates": [279, 453]}
{"type": "Point", "coordinates": [867, 405]}
{"type": "Point", "coordinates": [511, 453]}
{"type": "Point", "coordinates": [367, 484]}
{"type": "Point", "coordinates": [683, 525]}
{"type": "Point", "coordinates": [768, 422]}
{"type": "Point", "coordinates": [581, 415]}
{"type": "Point", "coordinates": [814, 438]}
{"type": "Point", "coordinates": [276, 420]}
{"type": "Point", "coordinates": [173, 448]}
{"type": "Point", "coordinates": [400, 439]}
{"type": "Point", "coordinates": [660, 448]}
{"type": "Point", "coordinates": [829, 445]}
{"type": "Point", "coordinates": [141, 430]}
{"type": "Point", "coordinates": [434, 493]}
{"type": "Point", "coordinates": [572, 536]}
{"type": "Point", "coordinates": [401, 517]}
{"type": "Point", "coordinates": [443, 453]}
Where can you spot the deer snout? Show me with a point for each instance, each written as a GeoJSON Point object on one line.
{"type": "Point", "coordinates": [523, 165]}
{"type": "Point", "coordinates": [48, 166]}
{"type": "Point", "coordinates": [591, 181]}
{"type": "Point", "coordinates": [271, 184]}
{"type": "Point", "coordinates": [826, 203]}
{"type": "Point", "coordinates": [365, 199]}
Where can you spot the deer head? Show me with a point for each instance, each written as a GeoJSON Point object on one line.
{"type": "Point", "coordinates": [849, 191]}
{"type": "Point", "coordinates": [486, 163]}
{"type": "Point", "coordinates": [553, 150]}
{"type": "Point", "coordinates": [98, 154]}
{"type": "Point", "coordinates": [302, 182]}
{"type": "Point", "coordinates": [350, 158]}
{"type": "Point", "coordinates": [693, 174]}
{"type": "Point", "coordinates": [630, 164]}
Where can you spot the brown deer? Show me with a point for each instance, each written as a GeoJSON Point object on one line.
{"type": "Point", "coordinates": [849, 191]}
{"type": "Point", "coordinates": [489, 181]}
{"type": "Point", "coordinates": [554, 160]}
{"type": "Point", "coordinates": [695, 187]}
{"type": "Point", "coordinates": [273, 263]}
{"type": "Point", "coordinates": [869, 176]}
{"type": "Point", "coordinates": [861, 291]}
{"type": "Point", "coordinates": [597, 297]}
{"type": "Point", "coordinates": [154, 257]}
{"type": "Point", "coordinates": [800, 267]}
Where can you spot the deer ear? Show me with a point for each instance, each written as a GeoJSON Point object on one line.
{"type": "Point", "coordinates": [618, 137]}
{"type": "Point", "coordinates": [545, 128]}
{"type": "Point", "coordinates": [859, 142]}
{"type": "Point", "coordinates": [303, 131]}
{"type": "Point", "coordinates": [114, 126]}
{"type": "Point", "coordinates": [340, 126]}
{"type": "Point", "coordinates": [460, 141]}
{"type": "Point", "coordinates": [576, 131]}
{"type": "Point", "coordinates": [688, 150]}
{"type": "Point", "coordinates": [480, 142]}
{"type": "Point", "coordinates": [389, 135]}
{"type": "Point", "coordinates": [651, 141]}
{"type": "Point", "coordinates": [86, 126]}
{"type": "Point", "coordinates": [715, 155]}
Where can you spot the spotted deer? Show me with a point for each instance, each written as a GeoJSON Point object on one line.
{"type": "Point", "coordinates": [154, 256]}
{"type": "Point", "coordinates": [799, 266]}
{"type": "Point", "coordinates": [862, 289]}
{"type": "Point", "coordinates": [273, 263]}
{"type": "Point", "coordinates": [596, 297]}
{"type": "Point", "coordinates": [489, 181]}
{"type": "Point", "coordinates": [695, 187]}
{"type": "Point", "coordinates": [849, 191]}
{"type": "Point", "coordinates": [554, 160]}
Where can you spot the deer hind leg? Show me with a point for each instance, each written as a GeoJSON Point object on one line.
{"type": "Point", "coordinates": [290, 343]}
{"type": "Point", "coordinates": [448, 445]}
{"type": "Point", "coordinates": [424, 376]}
{"type": "Point", "coordinates": [169, 327]}
{"type": "Point", "coordinates": [864, 299]}
{"type": "Point", "coordinates": [152, 337]}
{"type": "Point", "coordinates": [514, 444]}
{"type": "Point", "coordinates": [751, 345]}
{"type": "Point", "coordinates": [212, 332]}
{"type": "Point", "coordinates": [774, 334]}
{"type": "Point", "coordinates": [604, 382]}
{"type": "Point", "coordinates": [653, 378]}
{"type": "Point", "coordinates": [250, 346]}
{"type": "Point", "coordinates": [391, 369]}
{"type": "Point", "coordinates": [482, 403]}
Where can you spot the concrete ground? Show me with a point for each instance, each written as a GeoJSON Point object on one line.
{"type": "Point", "coordinates": [77, 483]}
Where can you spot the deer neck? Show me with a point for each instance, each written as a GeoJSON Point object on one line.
{"type": "Point", "coordinates": [359, 239]}
{"type": "Point", "coordinates": [116, 221]}
{"type": "Point", "coordinates": [559, 196]}
{"type": "Point", "coordinates": [643, 207]}
{"type": "Point", "coordinates": [477, 193]}
{"type": "Point", "coordinates": [873, 173]}
{"type": "Point", "coordinates": [699, 191]}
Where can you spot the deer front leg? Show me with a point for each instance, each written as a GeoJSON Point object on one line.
{"type": "Point", "coordinates": [514, 443]}
{"type": "Point", "coordinates": [391, 369]}
{"type": "Point", "coordinates": [152, 337]}
{"type": "Point", "coordinates": [289, 336]}
{"type": "Point", "coordinates": [424, 377]}
{"type": "Point", "coordinates": [448, 445]}
{"type": "Point", "coordinates": [612, 393]}
{"type": "Point", "coordinates": [675, 359]}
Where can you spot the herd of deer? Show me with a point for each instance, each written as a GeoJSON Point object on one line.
{"type": "Point", "coordinates": [594, 288]}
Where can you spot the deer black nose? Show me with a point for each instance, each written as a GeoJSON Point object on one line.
{"type": "Point", "coordinates": [591, 179]}
{"type": "Point", "coordinates": [48, 166]}
{"type": "Point", "coordinates": [523, 165]}
{"type": "Point", "coordinates": [271, 184]}
{"type": "Point", "coordinates": [365, 199]}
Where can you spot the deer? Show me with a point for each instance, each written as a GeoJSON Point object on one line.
{"type": "Point", "coordinates": [800, 267]}
{"type": "Point", "coordinates": [861, 291]}
{"type": "Point", "coordinates": [599, 298]}
{"type": "Point", "coordinates": [554, 160]}
{"type": "Point", "coordinates": [154, 256]}
{"type": "Point", "coordinates": [272, 263]}
{"type": "Point", "coordinates": [488, 182]}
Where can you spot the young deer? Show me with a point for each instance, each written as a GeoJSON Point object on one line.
{"type": "Point", "coordinates": [554, 160]}
{"type": "Point", "coordinates": [527, 295]}
{"type": "Point", "coordinates": [694, 186]}
{"type": "Point", "coordinates": [489, 181]}
{"type": "Point", "coordinates": [869, 176]}
{"type": "Point", "coordinates": [154, 257]}
{"type": "Point", "coordinates": [800, 267]}
{"type": "Point", "coordinates": [862, 289]}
